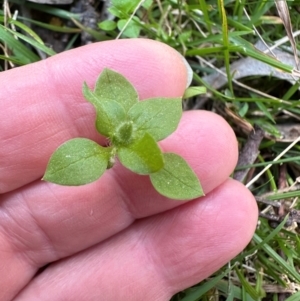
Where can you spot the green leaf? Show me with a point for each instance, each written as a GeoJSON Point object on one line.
{"type": "Point", "coordinates": [21, 52]}
{"type": "Point", "coordinates": [193, 91]}
{"type": "Point", "coordinates": [55, 11]}
{"type": "Point", "coordinates": [265, 110]}
{"type": "Point", "coordinates": [132, 29]}
{"type": "Point", "coordinates": [112, 86]}
{"type": "Point", "coordinates": [78, 161]}
{"type": "Point", "coordinates": [125, 6]}
{"type": "Point", "coordinates": [32, 42]}
{"type": "Point", "coordinates": [107, 25]}
{"type": "Point", "coordinates": [176, 180]}
{"type": "Point", "coordinates": [27, 29]}
{"type": "Point", "coordinates": [147, 4]}
{"type": "Point", "coordinates": [51, 26]}
{"type": "Point", "coordinates": [116, 12]}
{"type": "Point", "coordinates": [244, 109]}
{"type": "Point", "coordinates": [109, 113]}
{"type": "Point", "coordinates": [142, 157]}
{"type": "Point", "coordinates": [157, 116]}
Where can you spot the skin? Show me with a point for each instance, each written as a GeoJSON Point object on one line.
{"type": "Point", "coordinates": [116, 238]}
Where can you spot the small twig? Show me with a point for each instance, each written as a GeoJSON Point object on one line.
{"type": "Point", "coordinates": [249, 152]}
{"type": "Point", "coordinates": [263, 200]}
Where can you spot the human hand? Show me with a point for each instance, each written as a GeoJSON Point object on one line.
{"type": "Point", "coordinates": [116, 238]}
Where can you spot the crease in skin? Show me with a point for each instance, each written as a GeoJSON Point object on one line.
{"type": "Point", "coordinates": [42, 238]}
{"type": "Point", "coordinates": [94, 270]}
{"type": "Point", "coordinates": [127, 205]}
{"type": "Point", "coordinates": [23, 236]}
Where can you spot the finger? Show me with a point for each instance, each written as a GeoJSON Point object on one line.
{"type": "Point", "coordinates": [45, 222]}
{"type": "Point", "coordinates": [158, 256]}
{"type": "Point", "coordinates": [44, 106]}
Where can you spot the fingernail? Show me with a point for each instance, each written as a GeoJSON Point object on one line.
{"type": "Point", "coordinates": [189, 70]}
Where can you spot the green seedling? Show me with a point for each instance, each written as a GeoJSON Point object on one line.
{"type": "Point", "coordinates": [133, 129]}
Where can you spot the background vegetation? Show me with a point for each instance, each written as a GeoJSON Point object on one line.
{"type": "Point", "coordinates": [245, 54]}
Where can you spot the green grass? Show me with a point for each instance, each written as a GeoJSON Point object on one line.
{"type": "Point", "coordinates": [213, 35]}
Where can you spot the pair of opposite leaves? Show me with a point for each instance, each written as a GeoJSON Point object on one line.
{"type": "Point", "coordinates": [133, 129]}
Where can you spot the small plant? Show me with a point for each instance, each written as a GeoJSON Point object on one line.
{"type": "Point", "coordinates": [133, 129]}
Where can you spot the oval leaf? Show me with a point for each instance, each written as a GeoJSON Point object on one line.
{"type": "Point", "coordinates": [157, 116]}
{"type": "Point", "coordinates": [130, 28]}
{"type": "Point", "coordinates": [112, 86]}
{"type": "Point", "coordinates": [107, 25]}
{"type": "Point", "coordinates": [193, 91]}
{"type": "Point", "coordinates": [109, 113]}
{"type": "Point", "coordinates": [77, 162]}
{"type": "Point", "coordinates": [126, 6]}
{"type": "Point", "coordinates": [176, 180]}
{"type": "Point", "coordinates": [142, 157]}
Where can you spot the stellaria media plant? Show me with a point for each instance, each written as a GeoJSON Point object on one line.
{"type": "Point", "coordinates": [133, 128]}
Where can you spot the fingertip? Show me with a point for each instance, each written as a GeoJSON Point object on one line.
{"type": "Point", "coordinates": [241, 213]}
{"type": "Point", "coordinates": [207, 232]}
